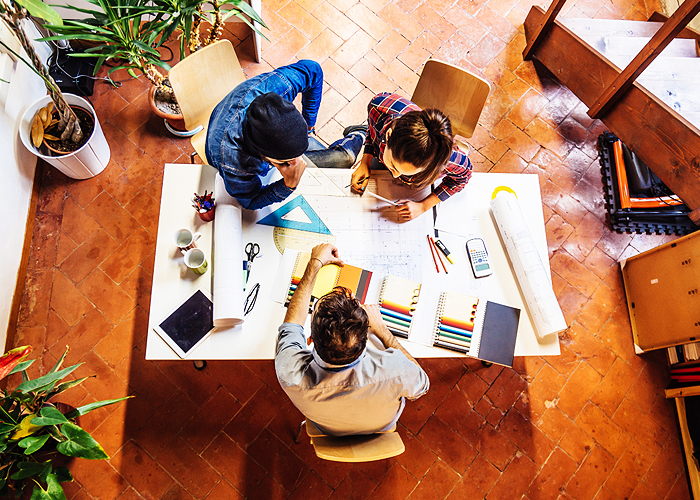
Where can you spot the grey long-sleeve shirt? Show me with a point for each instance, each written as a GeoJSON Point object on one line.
{"type": "Point", "coordinates": [362, 397]}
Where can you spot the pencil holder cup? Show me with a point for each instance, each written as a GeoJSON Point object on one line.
{"type": "Point", "coordinates": [208, 215]}
{"type": "Point", "coordinates": [196, 260]}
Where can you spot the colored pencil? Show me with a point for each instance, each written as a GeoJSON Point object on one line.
{"type": "Point", "coordinates": [438, 253]}
{"type": "Point", "coordinates": [433, 252]}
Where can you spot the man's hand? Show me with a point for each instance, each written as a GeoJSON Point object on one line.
{"type": "Point", "coordinates": [360, 176]}
{"type": "Point", "coordinates": [291, 171]}
{"type": "Point", "coordinates": [377, 326]}
{"type": "Point", "coordinates": [326, 254]}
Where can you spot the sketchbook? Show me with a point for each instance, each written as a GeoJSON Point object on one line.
{"type": "Point", "coordinates": [398, 298]}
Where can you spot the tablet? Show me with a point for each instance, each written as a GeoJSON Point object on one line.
{"type": "Point", "coordinates": [189, 325]}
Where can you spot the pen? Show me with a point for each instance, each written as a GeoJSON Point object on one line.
{"type": "Point", "coordinates": [382, 199]}
{"type": "Point", "coordinates": [444, 250]}
{"type": "Point", "coordinates": [359, 181]}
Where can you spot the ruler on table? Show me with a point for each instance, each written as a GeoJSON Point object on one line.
{"type": "Point", "coordinates": [286, 237]}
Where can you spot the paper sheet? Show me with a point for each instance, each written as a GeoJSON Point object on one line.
{"type": "Point", "coordinates": [227, 260]}
{"type": "Point", "coordinates": [528, 267]}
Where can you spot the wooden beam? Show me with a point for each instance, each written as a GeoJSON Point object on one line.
{"type": "Point", "coordinates": [676, 23]}
{"type": "Point", "coordinates": [663, 139]}
{"type": "Point", "coordinates": [542, 28]}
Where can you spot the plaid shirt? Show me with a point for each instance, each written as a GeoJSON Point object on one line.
{"type": "Point", "coordinates": [381, 111]}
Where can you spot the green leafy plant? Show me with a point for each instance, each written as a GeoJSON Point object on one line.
{"type": "Point", "coordinates": [130, 31]}
{"type": "Point", "coordinates": [34, 430]}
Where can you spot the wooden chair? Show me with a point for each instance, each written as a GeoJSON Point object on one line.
{"type": "Point", "coordinates": [364, 448]}
{"type": "Point", "coordinates": [200, 81]}
{"type": "Point", "coordinates": [459, 94]}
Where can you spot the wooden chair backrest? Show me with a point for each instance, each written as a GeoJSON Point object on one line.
{"type": "Point", "coordinates": [200, 81]}
{"type": "Point", "coordinates": [355, 448]}
{"type": "Point", "coordinates": [459, 94]}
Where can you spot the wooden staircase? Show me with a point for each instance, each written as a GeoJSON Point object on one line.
{"type": "Point", "coordinates": [650, 101]}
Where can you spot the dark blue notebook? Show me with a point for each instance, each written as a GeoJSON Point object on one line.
{"type": "Point", "coordinates": [498, 334]}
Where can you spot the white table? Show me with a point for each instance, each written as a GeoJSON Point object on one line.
{"type": "Point", "coordinates": [255, 339]}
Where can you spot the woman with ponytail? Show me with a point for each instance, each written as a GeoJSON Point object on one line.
{"type": "Point", "coordinates": [416, 146]}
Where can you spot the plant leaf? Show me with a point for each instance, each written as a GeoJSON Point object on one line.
{"type": "Point", "coordinates": [93, 406]}
{"type": "Point", "coordinates": [53, 490]}
{"type": "Point", "coordinates": [26, 428]}
{"type": "Point", "coordinates": [63, 474]}
{"type": "Point", "coordinates": [33, 443]}
{"type": "Point", "coordinates": [50, 416]}
{"type": "Point", "coordinates": [67, 385]}
{"type": "Point", "coordinates": [22, 366]}
{"type": "Point", "coordinates": [79, 443]}
{"type": "Point", "coordinates": [28, 469]}
{"type": "Point", "coordinates": [58, 364]}
{"type": "Point", "coordinates": [12, 358]}
{"type": "Point", "coordinates": [37, 8]}
{"type": "Point", "coordinates": [48, 379]}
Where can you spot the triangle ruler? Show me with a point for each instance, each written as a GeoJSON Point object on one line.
{"type": "Point", "coordinates": [296, 214]}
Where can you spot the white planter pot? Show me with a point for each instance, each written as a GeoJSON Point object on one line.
{"type": "Point", "coordinates": [86, 162]}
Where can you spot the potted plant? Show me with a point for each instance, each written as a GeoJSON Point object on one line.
{"type": "Point", "coordinates": [84, 149]}
{"type": "Point", "coordinates": [130, 32]}
{"type": "Point", "coordinates": [34, 429]}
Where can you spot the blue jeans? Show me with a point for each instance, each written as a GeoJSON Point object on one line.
{"type": "Point", "coordinates": [341, 154]}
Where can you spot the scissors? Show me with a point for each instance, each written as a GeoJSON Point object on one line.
{"type": "Point", "coordinates": [251, 250]}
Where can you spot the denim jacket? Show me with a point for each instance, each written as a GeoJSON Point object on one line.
{"type": "Point", "coordinates": [226, 149]}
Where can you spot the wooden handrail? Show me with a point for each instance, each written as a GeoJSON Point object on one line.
{"type": "Point", "coordinates": [671, 28]}
{"type": "Point", "coordinates": [543, 28]}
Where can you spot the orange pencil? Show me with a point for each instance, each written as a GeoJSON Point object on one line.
{"type": "Point", "coordinates": [432, 252]}
{"type": "Point", "coordinates": [438, 253]}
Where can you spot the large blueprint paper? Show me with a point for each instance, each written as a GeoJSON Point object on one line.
{"type": "Point", "coordinates": [529, 269]}
{"type": "Point", "coordinates": [227, 261]}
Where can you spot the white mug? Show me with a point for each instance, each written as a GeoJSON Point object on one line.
{"type": "Point", "coordinates": [196, 260]}
{"type": "Point", "coordinates": [185, 239]}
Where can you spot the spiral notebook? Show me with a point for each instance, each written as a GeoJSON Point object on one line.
{"type": "Point", "coordinates": [481, 329]}
{"type": "Point", "coordinates": [398, 299]}
{"type": "Point", "coordinates": [329, 276]}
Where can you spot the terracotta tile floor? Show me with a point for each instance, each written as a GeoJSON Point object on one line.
{"type": "Point", "coordinates": [589, 424]}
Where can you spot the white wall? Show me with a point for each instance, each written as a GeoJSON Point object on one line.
{"type": "Point", "coordinates": [16, 171]}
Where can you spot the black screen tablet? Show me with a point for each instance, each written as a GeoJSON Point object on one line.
{"type": "Point", "coordinates": [189, 325]}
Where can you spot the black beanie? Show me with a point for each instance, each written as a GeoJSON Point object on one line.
{"type": "Point", "coordinates": [275, 128]}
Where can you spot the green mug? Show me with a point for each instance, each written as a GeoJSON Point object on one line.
{"type": "Point", "coordinates": [196, 260]}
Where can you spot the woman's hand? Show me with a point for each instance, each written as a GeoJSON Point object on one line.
{"type": "Point", "coordinates": [360, 176]}
{"type": "Point", "coordinates": [409, 210]}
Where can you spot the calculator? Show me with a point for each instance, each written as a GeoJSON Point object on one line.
{"type": "Point", "coordinates": [478, 257]}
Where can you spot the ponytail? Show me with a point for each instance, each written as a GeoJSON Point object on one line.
{"type": "Point", "coordinates": [424, 139]}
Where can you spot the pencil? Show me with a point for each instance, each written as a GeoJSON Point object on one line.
{"type": "Point", "coordinates": [433, 253]}
{"type": "Point", "coordinates": [438, 253]}
{"type": "Point", "coordinates": [381, 198]}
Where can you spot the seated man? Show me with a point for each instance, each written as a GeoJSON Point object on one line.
{"type": "Point", "coordinates": [344, 385]}
{"type": "Point", "coordinates": [256, 127]}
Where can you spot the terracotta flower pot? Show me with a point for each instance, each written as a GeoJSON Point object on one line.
{"type": "Point", "coordinates": [174, 122]}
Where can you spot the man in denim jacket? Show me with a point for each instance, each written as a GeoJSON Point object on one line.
{"type": "Point", "coordinates": [256, 127]}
